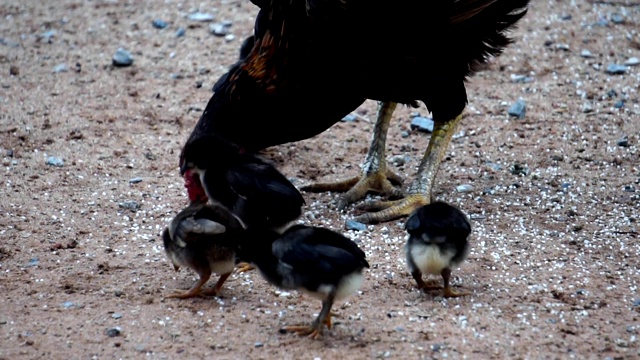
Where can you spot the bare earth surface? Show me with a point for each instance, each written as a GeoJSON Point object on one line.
{"type": "Point", "coordinates": [555, 265]}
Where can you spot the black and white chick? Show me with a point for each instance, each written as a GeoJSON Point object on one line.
{"type": "Point", "coordinates": [437, 243]}
{"type": "Point", "coordinates": [195, 239]}
{"type": "Point", "coordinates": [316, 261]}
{"type": "Point", "coordinates": [251, 188]}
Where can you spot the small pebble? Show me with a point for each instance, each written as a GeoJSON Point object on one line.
{"type": "Point", "coordinates": [632, 61]}
{"type": "Point", "coordinates": [130, 205]}
{"type": "Point", "coordinates": [436, 347]}
{"type": "Point", "coordinates": [180, 32]}
{"type": "Point", "coordinates": [636, 302]}
{"type": "Point", "coordinates": [9, 153]}
{"type": "Point", "coordinates": [229, 37]}
{"type": "Point", "coordinates": [587, 107]}
{"type": "Point", "coordinates": [159, 24]}
{"type": "Point", "coordinates": [422, 124]}
{"type": "Point", "coordinates": [55, 161]}
{"type": "Point", "coordinates": [349, 118]}
{"type": "Point", "coordinates": [399, 160]}
{"type": "Point", "coordinates": [586, 54]}
{"type": "Point", "coordinates": [113, 332]}
{"type": "Point", "coordinates": [354, 225]}
{"type": "Point", "coordinates": [517, 78]}
{"type": "Point", "coordinates": [135, 180]}
{"type": "Point", "coordinates": [14, 70]}
{"type": "Point", "coordinates": [219, 29]}
{"type": "Point", "coordinates": [116, 315]}
{"type": "Point", "coordinates": [464, 188]}
{"type": "Point", "coordinates": [48, 35]}
{"type": "Point", "coordinates": [519, 169]}
{"type": "Point", "coordinates": [203, 17]}
{"type": "Point", "coordinates": [615, 69]}
{"type": "Point", "coordinates": [258, 344]}
{"type": "Point", "coordinates": [404, 134]}
{"type": "Point", "coordinates": [563, 47]}
{"type": "Point", "coordinates": [629, 188]}
{"type": "Point", "coordinates": [566, 17]}
{"type": "Point", "coordinates": [518, 109]}
{"type": "Point", "coordinates": [61, 68]}
{"type": "Point", "coordinates": [68, 304]}
{"type": "Point", "coordinates": [617, 18]}
{"type": "Point", "coordinates": [122, 58]}
{"type": "Point", "coordinates": [619, 104]}
{"type": "Point", "coordinates": [624, 141]}
{"type": "Point", "coordinates": [33, 262]}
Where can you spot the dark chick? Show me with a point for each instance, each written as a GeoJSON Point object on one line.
{"type": "Point", "coordinates": [249, 187]}
{"type": "Point", "coordinates": [437, 243]}
{"type": "Point", "coordinates": [195, 239]}
{"type": "Point", "coordinates": [316, 261]}
{"type": "Point", "coordinates": [296, 81]}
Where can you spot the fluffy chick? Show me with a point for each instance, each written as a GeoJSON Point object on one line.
{"type": "Point", "coordinates": [437, 243]}
{"type": "Point", "coordinates": [191, 240]}
{"type": "Point", "coordinates": [313, 260]}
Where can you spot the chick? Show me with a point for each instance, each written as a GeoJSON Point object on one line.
{"type": "Point", "coordinates": [191, 241]}
{"type": "Point", "coordinates": [313, 260]}
{"type": "Point", "coordinates": [437, 243]}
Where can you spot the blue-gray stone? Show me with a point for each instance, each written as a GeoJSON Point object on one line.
{"type": "Point", "coordinates": [464, 188]}
{"type": "Point", "coordinates": [566, 17]}
{"type": "Point", "coordinates": [494, 166]}
{"type": "Point", "coordinates": [422, 124]}
{"type": "Point", "coordinates": [135, 180]}
{"type": "Point", "coordinates": [159, 23]}
{"type": "Point", "coordinates": [113, 332]}
{"type": "Point", "coordinates": [116, 315]}
{"type": "Point", "coordinates": [55, 161]}
{"type": "Point", "coordinates": [520, 169]}
{"type": "Point", "coordinates": [198, 16]}
{"type": "Point", "coordinates": [61, 68]}
{"type": "Point", "coordinates": [354, 225]}
{"type": "Point", "coordinates": [258, 345]}
{"type": "Point", "coordinates": [619, 104]}
{"type": "Point", "coordinates": [180, 32]}
{"type": "Point", "coordinates": [616, 69]}
{"type": "Point", "coordinates": [617, 18]}
{"type": "Point", "coordinates": [33, 262]}
{"type": "Point", "coordinates": [68, 304]}
{"type": "Point", "coordinates": [624, 141]}
{"type": "Point", "coordinates": [122, 58]}
{"type": "Point", "coordinates": [219, 29]}
{"type": "Point", "coordinates": [632, 61]}
{"type": "Point", "coordinates": [586, 54]}
{"type": "Point", "coordinates": [404, 134]}
{"type": "Point", "coordinates": [130, 205]}
{"type": "Point", "coordinates": [47, 35]}
{"type": "Point", "coordinates": [629, 188]}
{"type": "Point", "coordinates": [518, 109]}
{"type": "Point", "coordinates": [636, 302]}
{"type": "Point", "coordinates": [350, 118]}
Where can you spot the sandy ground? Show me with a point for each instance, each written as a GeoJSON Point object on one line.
{"type": "Point", "coordinates": [555, 263]}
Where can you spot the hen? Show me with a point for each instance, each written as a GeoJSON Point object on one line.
{"type": "Point", "coordinates": [314, 61]}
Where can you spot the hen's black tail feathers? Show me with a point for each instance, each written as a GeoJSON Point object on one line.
{"type": "Point", "coordinates": [482, 26]}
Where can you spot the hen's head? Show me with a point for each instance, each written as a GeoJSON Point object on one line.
{"type": "Point", "coordinates": [200, 154]}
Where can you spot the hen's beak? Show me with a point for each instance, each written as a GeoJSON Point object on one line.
{"type": "Point", "coordinates": [183, 168]}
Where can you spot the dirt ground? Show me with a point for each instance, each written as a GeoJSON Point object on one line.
{"type": "Point", "coordinates": [555, 263]}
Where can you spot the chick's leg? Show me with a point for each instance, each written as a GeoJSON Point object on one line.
{"type": "Point", "coordinates": [314, 331]}
{"type": "Point", "coordinates": [217, 289]}
{"type": "Point", "coordinates": [422, 285]}
{"type": "Point", "coordinates": [195, 289]}
{"type": "Point", "coordinates": [244, 267]}
{"type": "Point", "coordinates": [375, 175]}
{"type": "Point", "coordinates": [419, 192]}
{"type": "Point", "coordinates": [448, 291]}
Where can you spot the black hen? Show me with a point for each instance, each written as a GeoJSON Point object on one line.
{"type": "Point", "coordinates": [315, 61]}
{"type": "Point", "coordinates": [317, 261]}
{"type": "Point", "coordinates": [437, 243]}
{"type": "Point", "coordinates": [252, 189]}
